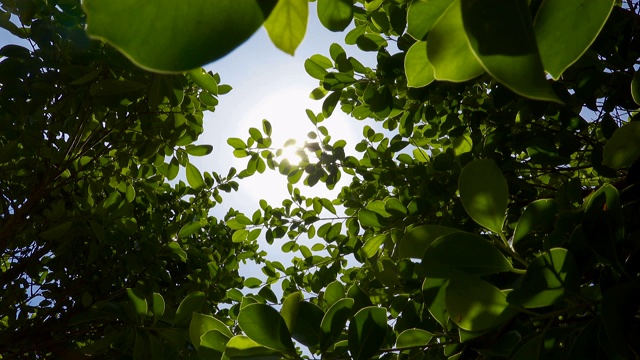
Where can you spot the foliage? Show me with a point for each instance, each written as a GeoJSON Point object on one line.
{"type": "Point", "coordinates": [96, 246]}
{"type": "Point", "coordinates": [492, 213]}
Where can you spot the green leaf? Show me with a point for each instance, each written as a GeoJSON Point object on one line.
{"type": "Point", "coordinates": [191, 303]}
{"type": "Point", "coordinates": [484, 193]}
{"type": "Point", "coordinates": [635, 87]}
{"type": "Point", "coordinates": [287, 24]}
{"type": "Point", "coordinates": [264, 325]}
{"type": "Point", "coordinates": [433, 290]}
{"type": "Point", "coordinates": [201, 324]}
{"type": "Point", "coordinates": [239, 235]}
{"type": "Point", "coordinates": [252, 282]}
{"type": "Point", "coordinates": [417, 67]}
{"type": "Point", "coordinates": [372, 245]}
{"type": "Point", "coordinates": [157, 306]}
{"type": "Point", "coordinates": [468, 252]}
{"type": "Point", "coordinates": [413, 338]}
{"type": "Point", "coordinates": [212, 345]}
{"type": "Point", "coordinates": [547, 279]}
{"type": "Point", "coordinates": [368, 218]}
{"type": "Point", "coordinates": [174, 168]}
{"type": "Point", "coordinates": [623, 149]}
{"type": "Point", "coordinates": [139, 302]}
{"type": "Point", "coordinates": [330, 103]}
{"type": "Point", "coordinates": [199, 150]}
{"type": "Point", "coordinates": [194, 177]}
{"type": "Point", "coordinates": [242, 347]}
{"type": "Point", "coordinates": [539, 214]}
{"type": "Point", "coordinates": [289, 310]}
{"type": "Point", "coordinates": [334, 321]}
{"type": "Point", "coordinates": [189, 229]}
{"type": "Point", "coordinates": [236, 143]}
{"type": "Point", "coordinates": [204, 80]}
{"type": "Point", "coordinates": [448, 48]}
{"type": "Point", "coordinates": [367, 331]}
{"type": "Point", "coordinates": [566, 29]}
{"type": "Point", "coordinates": [474, 304]}
{"type": "Point", "coordinates": [56, 232]}
{"type": "Point", "coordinates": [416, 241]}
{"type": "Point", "coordinates": [167, 36]}
{"type": "Point", "coordinates": [423, 15]}
{"type": "Point", "coordinates": [333, 293]}
{"type": "Point", "coordinates": [501, 35]}
{"type": "Point", "coordinates": [335, 15]}
{"type": "Point", "coordinates": [307, 326]}
{"type": "Point", "coordinates": [461, 144]}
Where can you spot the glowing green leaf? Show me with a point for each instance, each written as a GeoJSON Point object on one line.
{"type": "Point", "coordinates": [287, 24]}
{"type": "Point", "coordinates": [484, 193]}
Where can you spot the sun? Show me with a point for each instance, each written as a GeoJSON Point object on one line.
{"type": "Point", "coordinates": [290, 152]}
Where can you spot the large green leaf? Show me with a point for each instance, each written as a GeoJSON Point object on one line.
{"type": "Point", "coordinates": [212, 345]}
{"type": "Point", "coordinates": [423, 15]}
{"type": "Point", "coordinates": [287, 24]}
{"type": "Point", "coordinates": [191, 303]}
{"type": "Point", "coordinates": [624, 146]}
{"type": "Point", "coordinates": [289, 310]}
{"type": "Point", "coordinates": [372, 245]}
{"type": "Point", "coordinates": [484, 193]}
{"type": "Point", "coordinates": [566, 29]}
{"type": "Point", "coordinates": [242, 347]}
{"type": "Point", "coordinates": [547, 279]}
{"type": "Point", "coordinates": [500, 33]}
{"type": "Point", "coordinates": [194, 177]}
{"type": "Point", "coordinates": [307, 326]}
{"type": "Point", "coordinates": [464, 251]}
{"type": "Point", "coordinates": [474, 304]}
{"type": "Point", "coordinates": [539, 214]}
{"type": "Point", "coordinates": [417, 67]}
{"type": "Point", "coordinates": [170, 36]}
{"type": "Point", "coordinates": [334, 321]}
{"type": "Point", "coordinates": [264, 325]}
{"type": "Point", "coordinates": [335, 15]}
{"type": "Point", "coordinates": [201, 324]}
{"type": "Point", "coordinates": [139, 302]}
{"type": "Point", "coordinates": [333, 293]}
{"type": "Point", "coordinates": [433, 290]}
{"type": "Point", "coordinates": [416, 241]}
{"type": "Point", "coordinates": [448, 48]}
{"type": "Point", "coordinates": [413, 338]}
{"type": "Point", "coordinates": [367, 330]}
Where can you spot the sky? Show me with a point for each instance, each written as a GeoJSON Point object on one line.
{"type": "Point", "coordinates": [270, 84]}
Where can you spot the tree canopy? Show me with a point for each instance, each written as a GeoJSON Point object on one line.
{"type": "Point", "coordinates": [492, 206]}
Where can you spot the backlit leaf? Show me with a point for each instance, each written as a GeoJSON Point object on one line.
{"type": "Point", "coordinates": [139, 302]}
{"type": "Point", "coordinates": [194, 177]}
{"type": "Point", "coordinates": [624, 146]}
{"type": "Point", "coordinates": [191, 303]}
{"type": "Point", "coordinates": [422, 16]}
{"type": "Point", "coordinates": [240, 347]}
{"type": "Point", "coordinates": [566, 29]}
{"type": "Point", "coordinates": [538, 214]}
{"type": "Point", "coordinates": [335, 15]}
{"type": "Point", "coordinates": [287, 24]}
{"type": "Point", "coordinates": [501, 35]}
{"type": "Point", "coordinates": [474, 304]}
{"type": "Point", "coordinates": [413, 338]}
{"type": "Point", "coordinates": [547, 279]}
{"type": "Point", "coordinates": [416, 241]}
{"type": "Point", "coordinates": [448, 48]}
{"type": "Point", "coordinates": [264, 325]}
{"type": "Point", "coordinates": [417, 67]}
{"type": "Point", "coordinates": [464, 251]}
{"type": "Point", "coordinates": [334, 321]}
{"type": "Point", "coordinates": [484, 193]}
{"type": "Point", "coordinates": [165, 36]}
{"type": "Point", "coordinates": [367, 330]}
{"type": "Point", "coordinates": [201, 324]}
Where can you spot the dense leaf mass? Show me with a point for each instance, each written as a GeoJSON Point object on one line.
{"type": "Point", "coordinates": [491, 210]}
